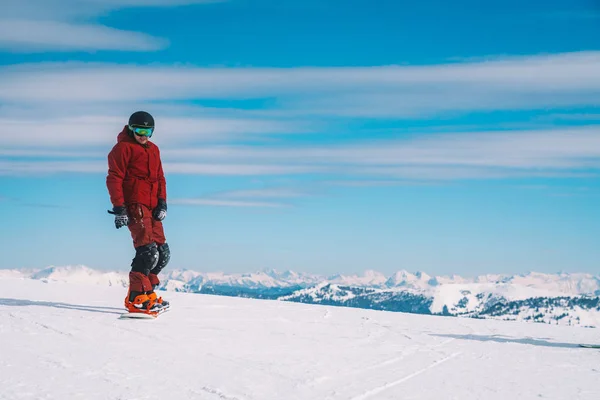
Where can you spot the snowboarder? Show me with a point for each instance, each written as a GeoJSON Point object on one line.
{"type": "Point", "coordinates": [137, 189]}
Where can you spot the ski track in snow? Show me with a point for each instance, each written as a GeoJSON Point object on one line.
{"type": "Point", "coordinates": [379, 389]}
{"type": "Point", "coordinates": [40, 325]}
{"type": "Point", "coordinates": [385, 364]}
{"type": "Point", "coordinates": [220, 394]}
{"type": "Point", "coordinates": [67, 343]}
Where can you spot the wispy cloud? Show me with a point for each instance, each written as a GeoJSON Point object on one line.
{"type": "Point", "coordinates": [25, 203]}
{"type": "Point", "coordinates": [473, 155]}
{"type": "Point", "coordinates": [573, 152]}
{"type": "Point", "coordinates": [53, 132]}
{"type": "Point", "coordinates": [67, 25]}
{"type": "Point", "coordinates": [76, 106]}
{"type": "Point", "coordinates": [227, 203]}
{"type": "Point", "coordinates": [268, 193]}
{"type": "Point", "coordinates": [382, 182]}
{"type": "Point", "coordinates": [266, 197]}
{"type": "Point", "coordinates": [571, 79]}
{"type": "Point", "coordinates": [51, 153]}
{"type": "Point", "coordinates": [81, 103]}
{"type": "Point", "coordinates": [31, 36]}
{"type": "Point", "coordinates": [552, 149]}
{"type": "Point", "coordinates": [237, 169]}
{"type": "Point", "coordinates": [16, 168]}
{"type": "Point", "coordinates": [36, 167]}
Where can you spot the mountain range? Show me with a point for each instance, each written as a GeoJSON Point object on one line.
{"type": "Point", "coordinates": [563, 298]}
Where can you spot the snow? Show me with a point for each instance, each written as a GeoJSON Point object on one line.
{"type": "Point", "coordinates": [405, 279]}
{"type": "Point", "coordinates": [62, 340]}
{"type": "Point", "coordinates": [12, 273]}
{"type": "Point", "coordinates": [452, 293]}
{"type": "Point", "coordinates": [369, 278]}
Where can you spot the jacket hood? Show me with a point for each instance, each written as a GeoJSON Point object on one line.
{"type": "Point", "coordinates": [124, 135]}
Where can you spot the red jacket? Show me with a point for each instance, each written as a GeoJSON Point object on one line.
{"type": "Point", "coordinates": [135, 174]}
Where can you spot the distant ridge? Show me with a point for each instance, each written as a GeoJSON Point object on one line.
{"type": "Point", "coordinates": [565, 298]}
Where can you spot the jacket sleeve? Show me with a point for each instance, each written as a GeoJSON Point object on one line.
{"type": "Point", "coordinates": [118, 159]}
{"type": "Point", "coordinates": [162, 183]}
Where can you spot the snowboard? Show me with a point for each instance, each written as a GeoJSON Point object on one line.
{"type": "Point", "coordinates": [590, 346]}
{"type": "Point", "coordinates": [137, 315]}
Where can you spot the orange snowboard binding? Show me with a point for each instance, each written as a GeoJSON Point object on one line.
{"type": "Point", "coordinates": [142, 303]}
{"type": "Point", "coordinates": [158, 300]}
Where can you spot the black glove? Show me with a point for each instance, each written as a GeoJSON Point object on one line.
{"type": "Point", "coordinates": [121, 218]}
{"type": "Point", "coordinates": [160, 212]}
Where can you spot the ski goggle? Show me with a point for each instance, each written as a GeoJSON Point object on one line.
{"type": "Point", "coordinates": [142, 131]}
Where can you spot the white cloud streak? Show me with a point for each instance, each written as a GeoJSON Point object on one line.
{"type": "Point", "coordinates": [67, 25]}
{"type": "Point", "coordinates": [227, 203]}
{"type": "Point", "coordinates": [233, 169]}
{"type": "Point", "coordinates": [24, 168]}
{"type": "Point", "coordinates": [246, 198]}
{"type": "Point", "coordinates": [102, 130]}
{"type": "Point", "coordinates": [551, 149]}
{"type": "Point", "coordinates": [266, 193]}
{"type": "Point", "coordinates": [483, 155]}
{"type": "Point", "coordinates": [571, 79]}
{"type": "Point", "coordinates": [41, 100]}
{"type": "Point", "coordinates": [31, 36]}
{"type": "Point", "coordinates": [80, 9]}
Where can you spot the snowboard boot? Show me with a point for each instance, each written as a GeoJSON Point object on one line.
{"type": "Point", "coordinates": [154, 299]}
{"type": "Point", "coordinates": [141, 303]}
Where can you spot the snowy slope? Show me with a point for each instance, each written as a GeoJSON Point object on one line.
{"type": "Point", "coordinates": [63, 341]}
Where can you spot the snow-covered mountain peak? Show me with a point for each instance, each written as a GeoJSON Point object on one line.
{"type": "Point", "coordinates": [566, 283]}
{"type": "Point", "coordinates": [369, 278]}
{"type": "Point", "coordinates": [81, 274]}
{"type": "Point", "coordinates": [422, 275]}
{"type": "Point", "coordinates": [286, 275]}
{"type": "Point", "coordinates": [373, 273]}
{"type": "Point", "coordinates": [418, 280]}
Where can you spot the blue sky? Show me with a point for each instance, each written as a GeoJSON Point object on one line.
{"type": "Point", "coordinates": [319, 136]}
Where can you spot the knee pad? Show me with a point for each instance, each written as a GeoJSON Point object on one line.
{"type": "Point", "coordinates": [146, 258]}
{"type": "Point", "coordinates": [164, 255]}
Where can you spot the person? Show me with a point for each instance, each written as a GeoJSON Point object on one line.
{"type": "Point", "coordinates": [138, 193]}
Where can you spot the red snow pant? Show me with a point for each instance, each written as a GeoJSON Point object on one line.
{"type": "Point", "coordinates": [144, 230]}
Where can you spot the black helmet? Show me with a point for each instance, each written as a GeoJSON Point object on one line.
{"type": "Point", "coordinates": [141, 119]}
